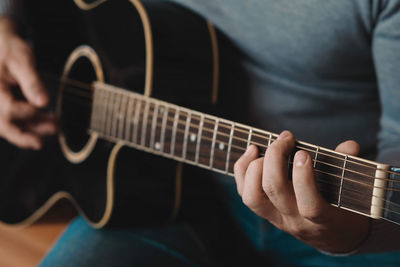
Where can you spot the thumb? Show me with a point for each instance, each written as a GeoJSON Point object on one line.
{"type": "Point", "coordinates": [349, 147]}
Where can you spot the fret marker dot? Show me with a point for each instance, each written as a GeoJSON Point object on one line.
{"type": "Point", "coordinates": [221, 146]}
{"type": "Point", "coordinates": [161, 110]}
{"type": "Point", "coordinates": [192, 137]}
{"type": "Point", "coordinates": [157, 145]}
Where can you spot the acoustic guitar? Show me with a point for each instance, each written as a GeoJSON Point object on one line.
{"type": "Point", "coordinates": [163, 46]}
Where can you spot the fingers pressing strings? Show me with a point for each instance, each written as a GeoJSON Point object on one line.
{"type": "Point", "coordinates": [275, 182]}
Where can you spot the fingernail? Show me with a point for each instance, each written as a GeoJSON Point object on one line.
{"type": "Point", "coordinates": [300, 158]}
{"type": "Point", "coordinates": [283, 135]}
{"type": "Point", "coordinates": [249, 150]}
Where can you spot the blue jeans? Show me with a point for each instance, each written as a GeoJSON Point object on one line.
{"type": "Point", "coordinates": [223, 232]}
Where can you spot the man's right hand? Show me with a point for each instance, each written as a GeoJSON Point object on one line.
{"type": "Point", "coordinates": [22, 121]}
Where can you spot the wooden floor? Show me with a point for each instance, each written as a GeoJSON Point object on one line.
{"type": "Point", "coordinates": [26, 247]}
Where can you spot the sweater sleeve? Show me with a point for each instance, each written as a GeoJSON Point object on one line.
{"type": "Point", "coordinates": [5, 7]}
{"type": "Point", "coordinates": [384, 236]}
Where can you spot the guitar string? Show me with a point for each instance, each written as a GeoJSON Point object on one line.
{"type": "Point", "coordinates": [267, 139]}
{"type": "Point", "coordinates": [308, 149]}
{"type": "Point", "coordinates": [301, 147]}
{"type": "Point", "coordinates": [319, 180]}
{"type": "Point", "coordinates": [262, 154]}
{"type": "Point", "coordinates": [383, 208]}
{"type": "Point", "coordinates": [320, 149]}
{"type": "Point", "coordinates": [209, 130]}
{"type": "Point", "coordinates": [365, 200]}
{"type": "Point", "coordinates": [348, 189]}
{"type": "Point", "coordinates": [263, 146]}
{"type": "Point", "coordinates": [90, 87]}
{"type": "Point", "coordinates": [341, 177]}
{"type": "Point", "coordinates": [344, 187]}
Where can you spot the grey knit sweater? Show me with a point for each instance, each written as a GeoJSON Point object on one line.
{"type": "Point", "coordinates": [327, 70]}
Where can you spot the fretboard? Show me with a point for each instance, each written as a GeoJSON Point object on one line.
{"type": "Point", "coordinates": [214, 143]}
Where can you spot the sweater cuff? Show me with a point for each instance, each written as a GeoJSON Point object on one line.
{"type": "Point", "coordinates": [6, 7]}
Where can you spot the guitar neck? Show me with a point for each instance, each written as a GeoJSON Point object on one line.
{"type": "Point", "coordinates": [214, 143]}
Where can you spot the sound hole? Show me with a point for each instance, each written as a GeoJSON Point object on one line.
{"type": "Point", "coordinates": [77, 98]}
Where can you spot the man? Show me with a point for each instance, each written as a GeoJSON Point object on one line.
{"type": "Point", "coordinates": [331, 66]}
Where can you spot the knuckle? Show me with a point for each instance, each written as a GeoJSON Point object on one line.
{"type": "Point", "coordinates": [310, 213]}
{"type": "Point", "coordinates": [253, 167]}
{"type": "Point", "coordinates": [7, 108]}
{"type": "Point", "coordinates": [270, 189]}
{"type": "Point", "coordinates": [299, 231]}
{"type": "Point", "coordinates": [238, 167]}
{"type": "Point", "coordinates": [249, 200]}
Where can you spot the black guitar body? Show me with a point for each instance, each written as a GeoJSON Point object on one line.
{"type": "Point", "coordinates": [110, 186]}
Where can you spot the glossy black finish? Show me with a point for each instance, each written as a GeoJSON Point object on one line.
{"type": "Point", "coordinates": [145, 184]}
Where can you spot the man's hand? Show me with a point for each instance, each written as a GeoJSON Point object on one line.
{"type": "Point", "coordinates": [22, 122]}
{"type": "Point", "coordinates": [297, 207]}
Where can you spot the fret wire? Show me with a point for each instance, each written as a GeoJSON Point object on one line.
{"type": "Point", "coordinates": [316, 156]}
{"type": "Point", "coordinates": [164, 124]}
{"type": "Point", "coordinates": [269, 140]}
{"type": "Point", "coordinates": [347, 179]}
{"type": "Point", "coordinates": [324, 163]}
{"type": "Point", "coordinates": [153, 124]}
{"type": "Point", "coordinates": [213, 168]}
{"type": "Point", "coordinates": [144, 125]}
{"type": "Point", "coordinates": [103, 115]}
{"type": "Point", "coordinates": [355, 162]}
{"type": "Point", "coordinates": [104, 112]}
{"type": "Point", "coordinates": [230, 173]}
{"type": "Point", "coordinates": [341, 182]}
{"type": "Point", "coordinates": [307, 149]}
{"type": "Point", "coordinates": [175, 125]}
{"type": "Point", "coordinates": [128, 118]}
{"type": "Point", "coordinates": [333, 165]}
{"type": "Point", "coordinates": [110, 111]}
{"type": "Point", "coordinates": [198, 138]}
{"type": "Point", "coordinates": [186, 134]}
{"type": "Point", "coordinates": [213, 143]}
{"type": "Point", "coordinates": [188, 161]}
{"type": "Point", "coordinates": [361, 164]}
{"type": "Point", "coordinates": [249, 137]}
{"type": "Point", "coordinates": [332, 157]}
{"type": "Point", "coordinates": [228, 156]}
{"type": "Point", "coordinates": [115, 114]}
{"type": "Point", "coordinates": [137, 120]}
{"type": "Point", "coordinates": [217, 170]}
{"type": "Point", "coordinates": [95, 113]}
{"type": "Point", "coordinates": [122, 116]}
{"type": "Point", "coordinates": [334, 188]}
